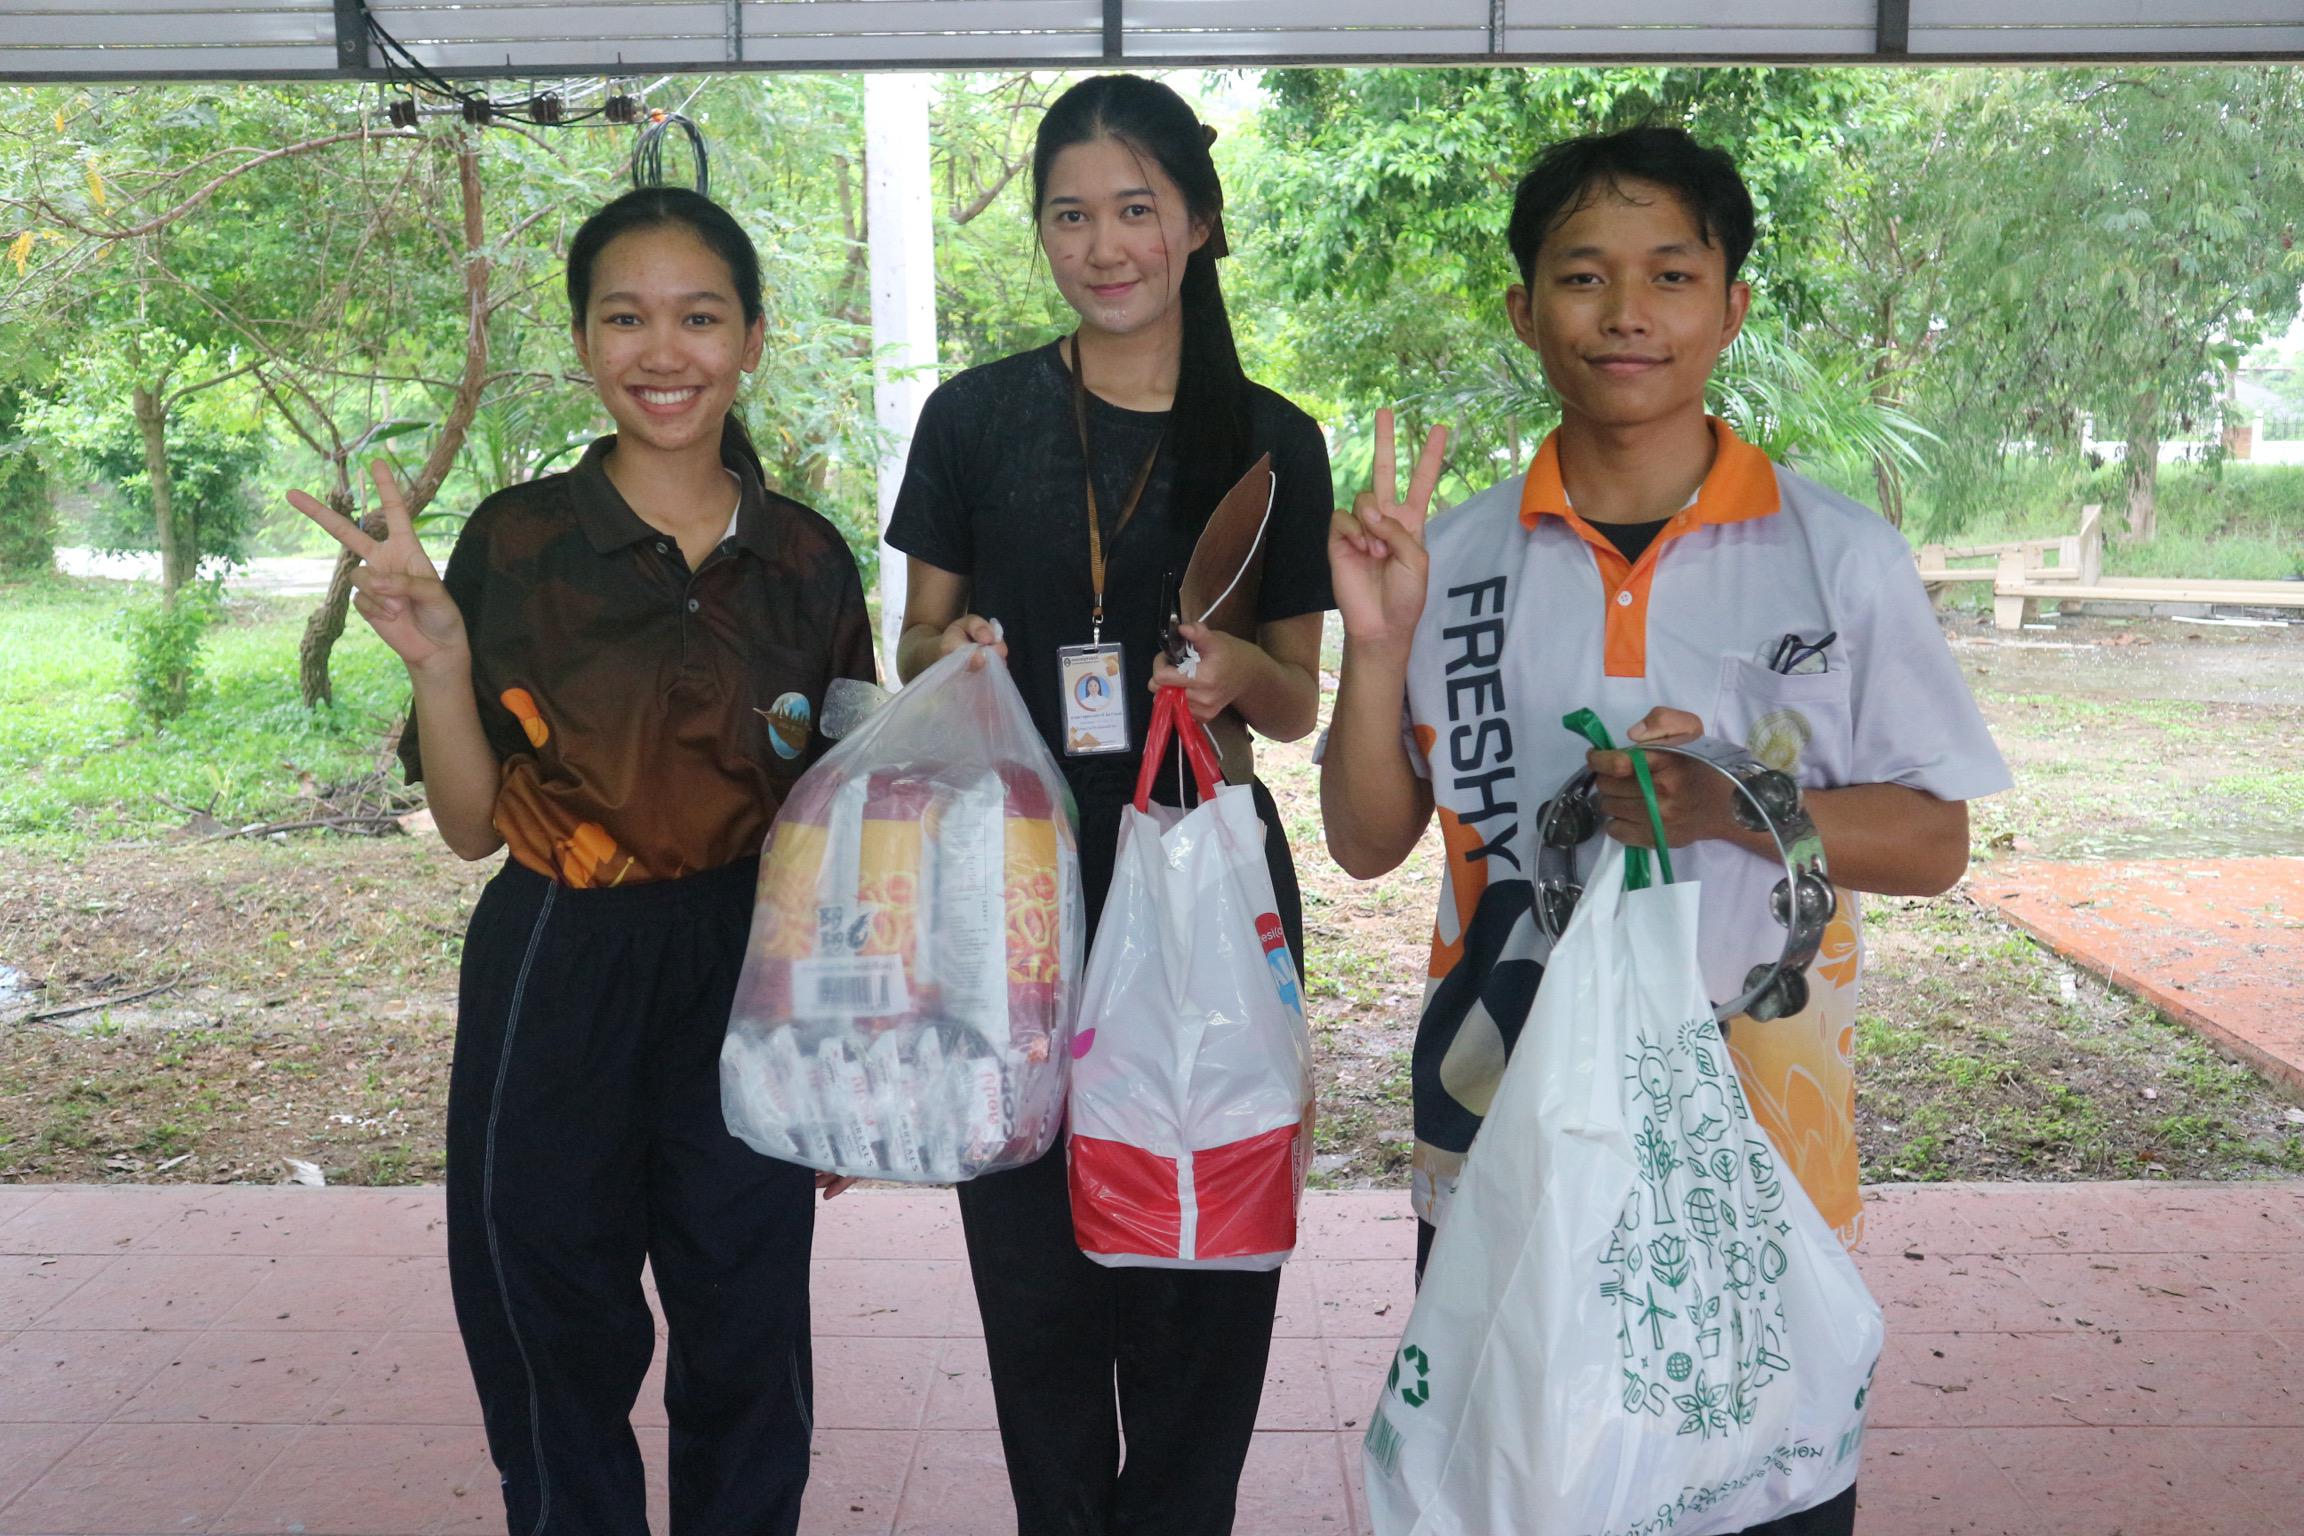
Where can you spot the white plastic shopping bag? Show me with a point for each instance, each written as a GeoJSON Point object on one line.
{"type": "Point", "coordinates": [1192, 1069]}
{"type": "Point", "coordinates": [912, 973]}
{"type": "Point", "coordinates": [1633, 1322]}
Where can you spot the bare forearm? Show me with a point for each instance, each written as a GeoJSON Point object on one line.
{"type": "Point", "coordinates": [1281, 699]}
{"type": "Point", "coordinates": [1372, 804]}
{"type": "Point", "coordinates": [461, 772]}
{"type": "Point", "coordinates": [918, 649]}
{"type": "Point", "coordinates": [1884, 838]}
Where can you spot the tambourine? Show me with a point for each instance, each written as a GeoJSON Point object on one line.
{"type": "Point", "coordinates": [1766, 801]}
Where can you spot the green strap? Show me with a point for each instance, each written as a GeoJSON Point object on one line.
{"type": "Point", "coordinates": [1587, 724]}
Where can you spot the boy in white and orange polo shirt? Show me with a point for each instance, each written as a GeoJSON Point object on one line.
{"type": "Point", "coordinates": [1654, 567]}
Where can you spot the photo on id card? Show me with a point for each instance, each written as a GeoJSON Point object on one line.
{"type": "Point", "coordinates": [1095, 706]}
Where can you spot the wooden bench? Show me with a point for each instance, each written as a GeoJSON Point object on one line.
{"type": "Point", "coordinates": [2014, 593]}
{"type": "Point", "coordinates": [2078, 557]}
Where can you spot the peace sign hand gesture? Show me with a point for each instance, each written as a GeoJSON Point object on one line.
{"type": "Point", "coordinates": [396, 589]}
{"type": "Point", "coordinates": [1376, 558]}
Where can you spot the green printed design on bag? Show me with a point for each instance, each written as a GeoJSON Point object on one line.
{"type": "Point", "coordinates": [1694, 1261]}
{"type": "Point", "coordinates": [1382, 1443]}
{"type": "Point", "coordinates": [1419, 1392]}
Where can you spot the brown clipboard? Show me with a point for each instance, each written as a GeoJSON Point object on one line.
{"type": "Point", "coordinates": [1227, 566]}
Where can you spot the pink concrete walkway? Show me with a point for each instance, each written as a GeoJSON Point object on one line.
{"type": "Point", "coordinates": [2064, 1360]}
{"type": "Point", "coordinates": [2218, 943]}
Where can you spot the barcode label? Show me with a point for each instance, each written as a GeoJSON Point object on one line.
{"type": "Point", "coordinates": [869, 986]}
{"type": "Point", "coordinates": [1383, 1443]}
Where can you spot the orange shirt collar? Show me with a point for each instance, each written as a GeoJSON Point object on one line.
{"type": "Point", "coordinates": [1741, 484]}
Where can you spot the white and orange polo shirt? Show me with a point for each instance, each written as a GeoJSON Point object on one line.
{"type": "Point", "coordinates": [1531, 613]}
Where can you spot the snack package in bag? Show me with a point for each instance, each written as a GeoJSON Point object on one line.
{"type": "Point", "coordinates": [1633, 1321]}
{"type": "Point", "coordinates": [909, 986]}
{"type": "Point", "coordinates": [1191, 1122]}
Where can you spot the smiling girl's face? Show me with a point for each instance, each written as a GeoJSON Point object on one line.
{"type": "Point", "coordinates": [1117, 233]}
{"type": "Point", "coordinates": [665, 339]}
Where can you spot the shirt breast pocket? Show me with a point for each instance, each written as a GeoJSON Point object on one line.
{"type": "Point", "coordinates": [1799, 723]}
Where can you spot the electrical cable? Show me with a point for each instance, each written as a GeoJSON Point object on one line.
{"type": "Point", "coordinates": [648, 154]}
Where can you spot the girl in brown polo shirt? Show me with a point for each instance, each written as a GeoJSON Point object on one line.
{"type": "Point", "coordinates": [617, 681]}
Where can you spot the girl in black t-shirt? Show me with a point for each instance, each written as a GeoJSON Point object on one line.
{"type": "Point", "coordinates": [1056, 491]}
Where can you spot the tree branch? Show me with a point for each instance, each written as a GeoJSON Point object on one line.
{"type": "Point", "coordinates": [161, 221]}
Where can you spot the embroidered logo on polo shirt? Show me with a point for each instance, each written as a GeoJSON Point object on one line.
{"type": "Point", "coordinates": [1779, 737]}
{"type": "Point", "coordinates": [790, 720]}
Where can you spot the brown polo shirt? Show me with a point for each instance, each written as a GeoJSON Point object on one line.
{"type": "Point", "coordinates": [649, 719]}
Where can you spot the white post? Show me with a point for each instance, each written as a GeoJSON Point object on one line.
{"type": "Point", "coordinates": [899, 203]}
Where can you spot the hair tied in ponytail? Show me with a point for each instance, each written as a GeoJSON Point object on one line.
{"type": "Point", "coordinates": [1208, 134]}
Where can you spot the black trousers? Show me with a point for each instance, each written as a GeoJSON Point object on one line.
{"type": "Point", "coordinates": [584, 1136]}
{"type": "Point", "coordinates": [1170, 1362]}
{"type": "Point", "coordinates": [1833, 1517]}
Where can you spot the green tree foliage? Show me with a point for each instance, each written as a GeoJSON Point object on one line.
{"type": "Point", "coordinates": [2028, 248]}
{"type": "Point", "coordinates": [1374, 204]}
{"type": "Point", "coordinates": [27, 507]}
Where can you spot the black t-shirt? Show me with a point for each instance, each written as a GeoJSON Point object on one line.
{"type": "Point", "coordinates": [994, 491]}
{"type": "Point", "coordinates": [1632, 539]}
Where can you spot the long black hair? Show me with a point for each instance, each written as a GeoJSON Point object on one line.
{"type": "Point", "coordinates": [1208, 427]}
{"type": "Point", "coordinates": [646, 208]}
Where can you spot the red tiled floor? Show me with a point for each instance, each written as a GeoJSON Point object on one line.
{"type": "Point", "coordinates": [1999, 1380]}
{"type": "Point", "coordinates": [1939, 1482]}
{"type": "Point", "coordinates": [2214, 942]}
{"type": "Point", "coordinates": [329, 1292]}
{"type": "Point", "coordinates": [1939, 1294]}
{"type": "Point", "coordinates": [1293, 1485]}
{"type": "Point", "coordinates": [916, 1298]}
{"type": "Point", "coordinates": [31, 1284]}
{"type": "Point", "coordinates": [2126, 1290]}
{"type": "Point", "coordinates": [871, 1383]}
{"type": "Point", "coordinates": [2251, 1383]}
{"type": "Point", "coordinates": [960, 1388]}
{"type": "Point", "coordinates": [81, 1375]}
{"type": "Point", "coordinates": [28, 1450]}
{"type": "Point", "coordinates": [1988, 1417]}
{"type": "Point", "coordinates": [407, 1378]}
{"type": "Point", "coordinates": [856, 1479]}
{"type": "Point", "coordinates": [247, 1378]}
{"type": "Point", "coordinates": [1296, 1393]}
{"type": "Point", "coordinates": [359, 1480]}
{"type": "Point", "coordinates": [2137, 1482]}
{"type": "Point", "coordinates": [136, 1478]}
{"type": "Point", "coordinates": [153, 1291]}
{"type": "Point", "coordinates": [955, 1479]}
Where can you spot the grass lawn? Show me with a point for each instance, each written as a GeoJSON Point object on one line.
{"type": "Point", "coordinates": [307, 983]}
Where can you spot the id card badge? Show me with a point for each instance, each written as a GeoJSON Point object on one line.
{"type": "Point", "coordinates": [1095, 702]}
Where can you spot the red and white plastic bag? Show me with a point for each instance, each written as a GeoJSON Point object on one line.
{"type": "Point", "coordinates": [1191, 1104]}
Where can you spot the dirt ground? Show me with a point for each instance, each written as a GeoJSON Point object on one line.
{"type": "Point", "coordinates": [239, 1004]}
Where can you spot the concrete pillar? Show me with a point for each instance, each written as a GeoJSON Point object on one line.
{"type": "Point", "coordinates": [899, 209]}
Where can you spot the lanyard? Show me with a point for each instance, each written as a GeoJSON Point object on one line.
{"type": "Point", "coordinates": [1088, 468]}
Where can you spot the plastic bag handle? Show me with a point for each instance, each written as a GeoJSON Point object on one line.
{"type": "Point", "coordinates": [1587, 724]}
{"type": "Point", "coordinates": [1170, 717]}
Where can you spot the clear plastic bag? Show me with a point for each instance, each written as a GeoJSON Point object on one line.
{"type": "Point", "coordinates": [906, 1006]}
